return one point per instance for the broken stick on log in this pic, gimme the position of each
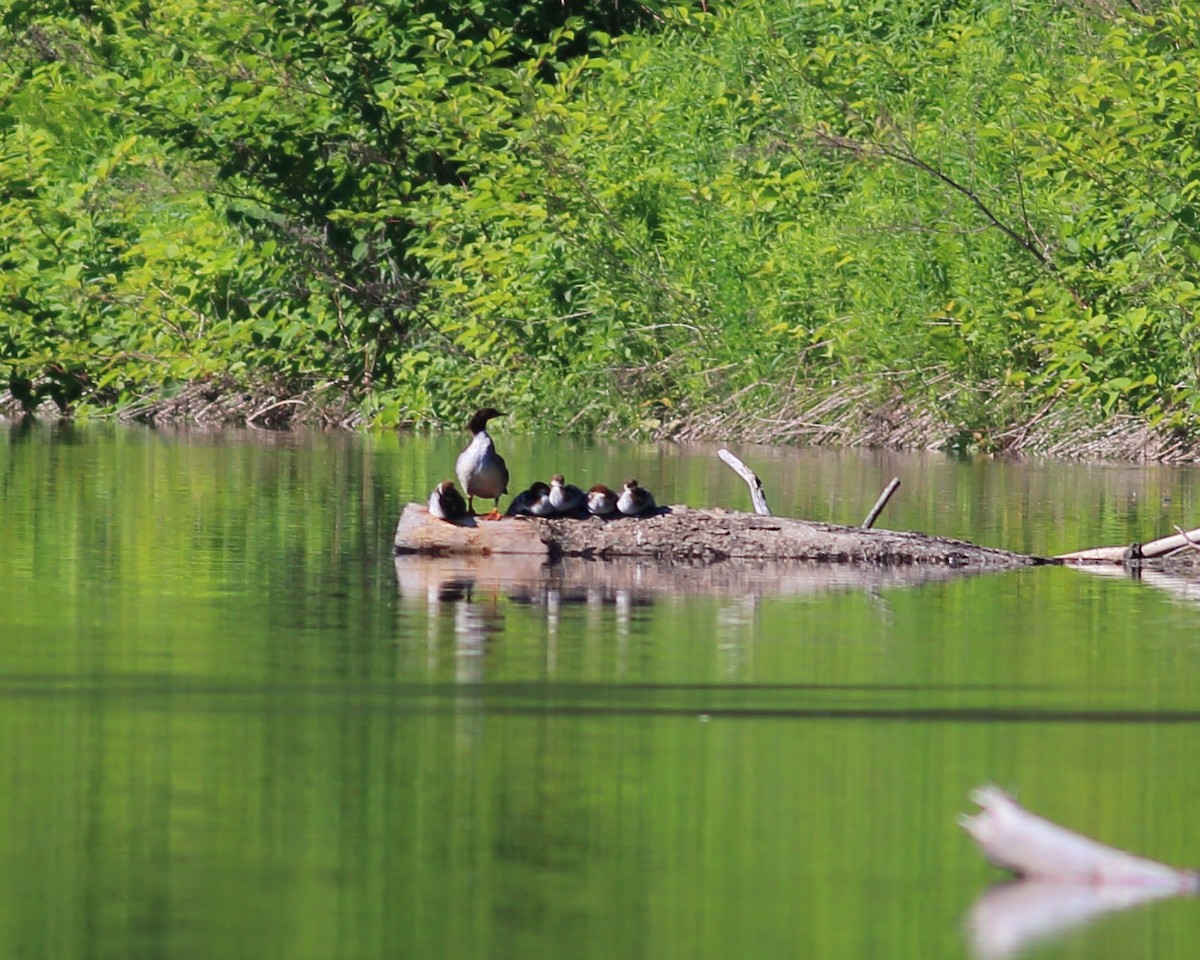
(757, 497)
(881, 503)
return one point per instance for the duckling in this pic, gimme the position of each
(564, 497)
(539, 503)
(479, 468)
(525, 502)
(446, 503)
(601, 501)
(634, 499)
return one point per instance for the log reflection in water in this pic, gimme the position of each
(1180, 581)
(526, 579)
(1010, 918)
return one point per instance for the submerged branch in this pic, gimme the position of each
(1014, 839)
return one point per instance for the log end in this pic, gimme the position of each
(419, 532)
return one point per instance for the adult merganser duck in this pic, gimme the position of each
(634, 499)
(601, 501)
(480, 469)
(446, 503)
(564, 497)
(532, 502)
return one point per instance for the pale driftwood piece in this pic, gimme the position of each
(682, 534)
(1191, 542)
(1164, 545)
(1014, 839)
(757, 496)
(1140, 551)
(1094, 555)
(881, 503)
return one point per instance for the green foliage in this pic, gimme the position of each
(258, 165)
(998, 195)
(121, 273)
(423, 206)
(1114, 151)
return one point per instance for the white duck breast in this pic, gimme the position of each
(634, 499)
(532, 502)
(601, 501)
(479, 468)
(540, 505)
(564, 497)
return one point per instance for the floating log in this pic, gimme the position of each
(1185, 541)
(681, 533)
(1014, 839)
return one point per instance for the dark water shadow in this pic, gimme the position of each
(1012, 918)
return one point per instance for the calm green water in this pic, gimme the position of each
(232, 726)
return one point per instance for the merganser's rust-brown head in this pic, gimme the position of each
(602, 489)
(482, 416)
(559, 479)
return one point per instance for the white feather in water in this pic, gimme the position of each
(1014, 839)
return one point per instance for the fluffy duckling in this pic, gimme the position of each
(634, 499)
(539, 503)
(564, 497)
(479, 468)
(601, 501)
(446, 503)
(532, 502)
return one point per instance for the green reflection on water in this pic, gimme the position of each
(227, 731)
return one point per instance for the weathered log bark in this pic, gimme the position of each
(684, 534)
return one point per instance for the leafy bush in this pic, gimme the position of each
(633, 214)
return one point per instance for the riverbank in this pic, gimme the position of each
(969, 228)
(860, 415)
